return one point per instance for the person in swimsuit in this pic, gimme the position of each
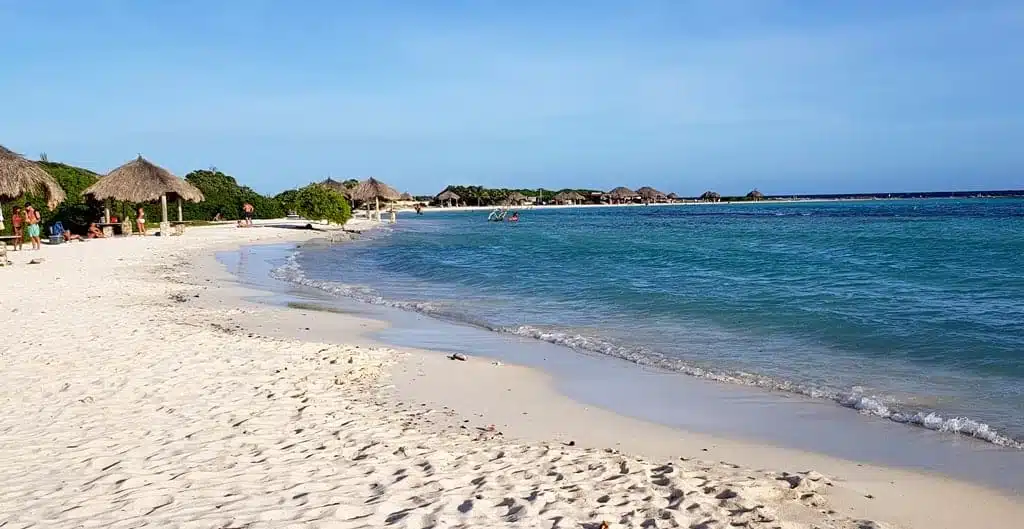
(18, 225)
(247, 210)
(32, 219)
(95, 232)
(140, 221)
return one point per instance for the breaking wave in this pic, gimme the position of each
(854, 398)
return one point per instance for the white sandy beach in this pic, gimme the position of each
(141, 389)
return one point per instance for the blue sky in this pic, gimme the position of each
(787, 96)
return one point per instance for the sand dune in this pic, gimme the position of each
(125, 404)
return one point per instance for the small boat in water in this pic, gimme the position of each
(498, 215)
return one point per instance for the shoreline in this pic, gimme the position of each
(957, 428)
(170, 398)
(538, 412)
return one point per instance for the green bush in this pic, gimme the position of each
(316, 202)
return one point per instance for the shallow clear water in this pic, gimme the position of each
(909, 310)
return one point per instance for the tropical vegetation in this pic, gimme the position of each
(224, 197)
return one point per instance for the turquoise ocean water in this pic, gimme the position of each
(911, 311)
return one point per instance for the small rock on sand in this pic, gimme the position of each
(458, 356)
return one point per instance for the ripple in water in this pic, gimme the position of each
(877, 306)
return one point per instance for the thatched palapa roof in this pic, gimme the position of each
(447, 194)
(672, 196)
(516, 196)
(335, 185)
(373, 189)
(622, 192)
(649, 193)
(710, 195)
(406, 197)
(567, 196)
(755, 194)
(142, 181)
(19, 176)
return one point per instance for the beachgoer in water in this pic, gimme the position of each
(514, 217)
(32, 219)
(247, 211)
(140, 221)
(18, 225)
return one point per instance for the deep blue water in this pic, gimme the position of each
(908, 310)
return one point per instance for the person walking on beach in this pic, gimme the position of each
(32, 219)
(140, 221)
(18, 226)
(247, 211)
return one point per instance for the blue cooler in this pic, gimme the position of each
(57, 233)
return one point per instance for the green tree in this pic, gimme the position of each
(286, 199)
(316, 202)
(350, 183)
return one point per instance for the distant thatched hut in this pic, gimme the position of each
(755, 195)
(710, 196)
(143, 181)
(569, 197)
(516, 199)
(19, 176)
(447, 197)
(406, 197)
(335, 185)
(649, 194)
(621, 195)
(375, 190)
(672, 197)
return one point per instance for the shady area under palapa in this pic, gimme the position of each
(375, 190)
(141, 181)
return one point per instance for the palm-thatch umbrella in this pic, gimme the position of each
(710, 196)
(447, 196)
(755, 195)
(516, 198)
(19, 176)
(374, 189)
(672, 196)
(335, 185)
(620, 194)
(649, 194)
(568, 197)
(406, 197)
(143, 181)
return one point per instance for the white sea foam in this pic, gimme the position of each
(853, 398)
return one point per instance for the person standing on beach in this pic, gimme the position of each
(247, 211)
(140, 221)
(18, 227)
(33, 219)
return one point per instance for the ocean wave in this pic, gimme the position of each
(854, 398)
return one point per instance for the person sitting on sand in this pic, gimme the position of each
(68, 236)
(140, 221)
(94, 232)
